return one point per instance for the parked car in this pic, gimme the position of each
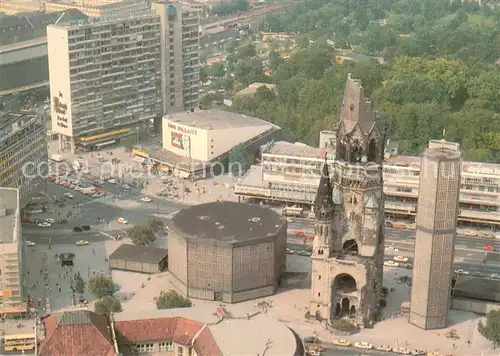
(44, 224)
(82, 243)
(391, 264)
(344, 343)
(29, 243)
(85, 227)
(400, 259)
(77, 229)
(317, 348)
(384, 348)
(363, 345)
(402, 351)
(146, 199)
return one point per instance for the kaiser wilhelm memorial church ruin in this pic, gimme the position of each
(348, 250)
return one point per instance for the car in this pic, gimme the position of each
(391, 264)
(391, 248)
(82, 243)
(122, 221)
(85, 227)
(126, 186)
(418, 353)
(462, 272)
(344, 343)
(44, 224)
(29, 243)
(112, 181)
(363, 345)
(289, 251)
(146, 199)
(400, 259)
(289, 220)
(318, 348)
(494, 276)
(50, 220)
(69, 195)
(402, 351)
(384, 348)
(77, 229)
(299, 233)
(304, 253)
(407, 265)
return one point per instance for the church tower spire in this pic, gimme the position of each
(323, 205)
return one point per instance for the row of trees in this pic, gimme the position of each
(143, 235)
(425, 94)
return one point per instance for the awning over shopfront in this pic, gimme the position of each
(105, 143)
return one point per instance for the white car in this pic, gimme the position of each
(384, 348)
(50, 220)
(363, 345)
(29, 243)
(400, 259)
(122, 221)
(69, 195)
(391, 264)
(82, 243)
(146, 199)
(126, 186)
(462, 272)
(112, 181)
(44, 224)
(390, 248)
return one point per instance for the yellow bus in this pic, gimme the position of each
(20, 342)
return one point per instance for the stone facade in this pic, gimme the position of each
(348, 252)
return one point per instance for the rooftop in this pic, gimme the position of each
(12, 121)
(232, 334)
(9, 205)
(227, 222)
(76, 333)
(252, 88)
(441, 149)
(139, 253)
(88, 22)
(297, 149)
(216, 120)
(477, 288)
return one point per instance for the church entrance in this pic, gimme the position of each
(345, 306)
(344, 290)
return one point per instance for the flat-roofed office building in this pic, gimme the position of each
(11, 251)
(435, 238)
(105, 79)
(23, 154)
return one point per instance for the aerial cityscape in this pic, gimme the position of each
(250, 177)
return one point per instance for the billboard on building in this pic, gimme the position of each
(177, 140)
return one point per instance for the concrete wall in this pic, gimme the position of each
(177, 256)
(60, 77)
(209, 267)
(185, 140)
(474, 306)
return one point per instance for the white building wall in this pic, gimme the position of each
(185, 140)
(59, 78)
(225, 139)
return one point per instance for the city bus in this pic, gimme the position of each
(292, 211)
(20, 342)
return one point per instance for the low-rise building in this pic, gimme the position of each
(290, 172)
(11, 254)
(23, 154)
(141, 259)
(195, 331)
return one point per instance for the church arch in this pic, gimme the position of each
(372, 155)
(350, 247)
(356, 152)
(344, 283)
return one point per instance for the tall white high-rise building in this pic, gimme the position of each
(180, 55)
(105, 79)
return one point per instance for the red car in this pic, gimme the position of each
(299, 233)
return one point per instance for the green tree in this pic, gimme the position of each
(108, 305)
(172, 299)
(101, 286)
(156, 224)
(249, 71)
(78, 284)
(207, 101)
(491, 329)
(141, 235)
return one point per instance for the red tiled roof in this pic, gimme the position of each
(76, 333)
(205, 344)
(176, 329)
